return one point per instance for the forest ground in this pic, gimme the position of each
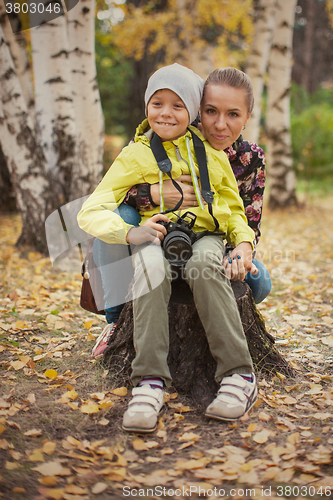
(60, 414)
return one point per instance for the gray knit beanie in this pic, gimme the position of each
(181, 80)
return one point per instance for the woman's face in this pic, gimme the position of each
(224, 112)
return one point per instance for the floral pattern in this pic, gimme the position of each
(247, 161)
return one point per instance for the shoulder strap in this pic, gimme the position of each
(165, 165)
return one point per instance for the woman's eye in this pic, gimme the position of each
(210, 111)
(234, 114)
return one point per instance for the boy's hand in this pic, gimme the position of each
(171, 196)
(149, 231)
(239, 262)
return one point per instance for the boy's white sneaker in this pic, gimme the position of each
(235, 397)
(143, 409)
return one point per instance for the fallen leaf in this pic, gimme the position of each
(262, 436)
(49, 447)
(139, 445)
(189, 436)
(49, 469)
(98, 488)
(33, 433)
(90, 408)
(51, 374)
(121, 391)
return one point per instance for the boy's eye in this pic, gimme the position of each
(180, 106)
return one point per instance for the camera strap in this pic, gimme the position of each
(165, 166)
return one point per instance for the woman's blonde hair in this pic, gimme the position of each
(232, 77)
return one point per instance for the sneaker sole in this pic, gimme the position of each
(144, 431)
(229, 419)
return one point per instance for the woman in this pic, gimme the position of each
(225, 108)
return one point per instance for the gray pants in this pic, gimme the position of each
(214, 300)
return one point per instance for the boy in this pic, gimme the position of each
(172, 101)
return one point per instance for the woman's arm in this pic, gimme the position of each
(247, 161)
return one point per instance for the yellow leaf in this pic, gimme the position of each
(139, 445)
(11, 466)
(90, 408)
(18, 489)
(2, 429)
(55, 494)
(48, 480)
(262, 436)
(49, 469)
(121, 391)
(252, 427)
(20, 324)
(264, 417)
(106, 404)
(88, 324)
(33, 433)
(103, 421)
(293, 438)
(17, 365)
(75, 490)
(192, 464)
(36, 456)
(189, 436)
(52, 374)
(98, 488)
(49, 447)
(280, 375)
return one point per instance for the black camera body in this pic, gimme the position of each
(177, 244)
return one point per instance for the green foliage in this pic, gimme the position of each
(113, 74)
(311, 132)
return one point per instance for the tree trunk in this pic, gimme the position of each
(24, 157)
(258, 60)
(54, 104)
(7, 195)
(191, 364)
(282, 180)
(17, 48)
(308, 47)
(85, 93)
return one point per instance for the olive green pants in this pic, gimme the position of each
(214, 300)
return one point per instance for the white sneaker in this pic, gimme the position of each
(235, 397)
(143, 409)
(103, 339)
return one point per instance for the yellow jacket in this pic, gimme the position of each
(136, 165)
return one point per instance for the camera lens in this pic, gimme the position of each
(177, 248)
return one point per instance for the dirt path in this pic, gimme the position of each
(60, 415)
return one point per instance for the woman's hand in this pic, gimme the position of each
(149, 231)
(239, 262)
(171, 196)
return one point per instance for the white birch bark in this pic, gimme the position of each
(24, 157)
(257, 62)
(55, 112)
(282, 180)
(17, 47)
(85, 93)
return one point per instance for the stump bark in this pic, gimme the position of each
(191, 364)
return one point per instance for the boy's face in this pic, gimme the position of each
(167, 115)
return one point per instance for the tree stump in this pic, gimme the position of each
(191, 364)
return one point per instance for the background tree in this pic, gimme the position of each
(57, 157)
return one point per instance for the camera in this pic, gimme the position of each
(177, 244)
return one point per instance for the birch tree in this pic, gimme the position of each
(282, 179)
(57, 159)
(258, 60)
